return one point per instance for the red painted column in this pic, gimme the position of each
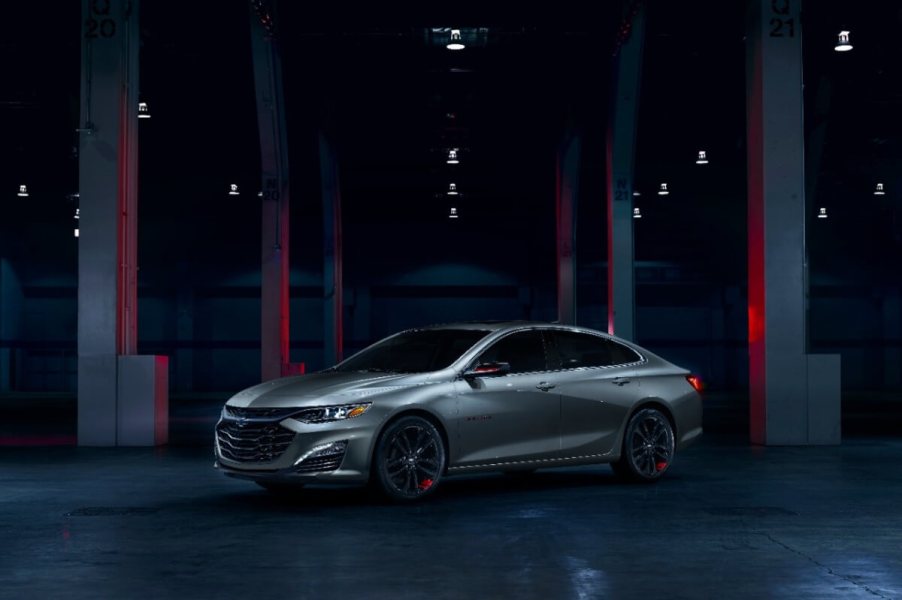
(567, 196)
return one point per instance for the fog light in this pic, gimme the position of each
(324, 450)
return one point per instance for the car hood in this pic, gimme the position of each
(318, 389)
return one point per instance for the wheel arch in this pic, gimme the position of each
(649, 402)
(412, 412)
(659, 404)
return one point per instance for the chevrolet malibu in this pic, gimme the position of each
(432, 402)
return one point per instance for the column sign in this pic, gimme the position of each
(781, 23)
(100, 23)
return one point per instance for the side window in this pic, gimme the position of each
(584, 350)
(622, 355)
(524, 351)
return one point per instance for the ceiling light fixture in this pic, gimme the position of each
(842, 43)
(702, 158)
(233, 190)
(76, 217)
(637, 214)
(23, 191)
(452, 189)
(637, 194)
(456, 43)
(452, 214)
(879, 191)
(452, 157)
(822, 213)
(663, 191)
(143, 110)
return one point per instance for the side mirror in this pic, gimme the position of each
(489, 369)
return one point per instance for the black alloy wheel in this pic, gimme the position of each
(648, 446)
(410, 459)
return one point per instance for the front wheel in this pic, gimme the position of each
(647, 446)
(409, 459)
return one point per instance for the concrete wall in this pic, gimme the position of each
(211, 332)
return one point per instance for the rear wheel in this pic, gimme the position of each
(409, 459)
(648, 446)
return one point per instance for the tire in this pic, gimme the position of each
(648, 447)
(278, 487)
(409, 459)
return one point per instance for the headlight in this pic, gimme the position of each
(324, 414)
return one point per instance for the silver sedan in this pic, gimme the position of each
(427, 403)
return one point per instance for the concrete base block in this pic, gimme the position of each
(143, 407)
(824, 399)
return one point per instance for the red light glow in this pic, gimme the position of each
(696, 382)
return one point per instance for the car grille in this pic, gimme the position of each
(259, 413)
(252, 442)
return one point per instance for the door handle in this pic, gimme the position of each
(620, 382)
(545, 386)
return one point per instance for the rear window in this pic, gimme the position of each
(583, 350)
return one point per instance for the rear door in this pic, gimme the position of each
(513, 417)
(598, 385)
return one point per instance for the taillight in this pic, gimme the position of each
(696, 382)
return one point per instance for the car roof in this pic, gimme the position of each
(495, 325)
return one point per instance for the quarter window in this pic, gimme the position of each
(524, 351)
(583, 350)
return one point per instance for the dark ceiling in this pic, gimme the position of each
(394, 102)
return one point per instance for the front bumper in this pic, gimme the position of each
(296, 462)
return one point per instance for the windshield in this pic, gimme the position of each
(414, 351)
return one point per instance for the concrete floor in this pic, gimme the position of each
(730, 521)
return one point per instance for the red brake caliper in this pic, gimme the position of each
(425, 484)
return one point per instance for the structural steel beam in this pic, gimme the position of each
(274, 306)
(333, 324)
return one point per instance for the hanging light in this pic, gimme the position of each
(23, 191)
(879, 191)
(637, 214)
(76, 217)
(452, 214)
(842, 43)
(233, 190)
(452, 157)
(452, 189)
(663, 191)
(702, 158)
(822, 213)
(143, 110)
(636, 194)
(456, 43)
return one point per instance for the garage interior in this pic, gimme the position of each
(199, 197)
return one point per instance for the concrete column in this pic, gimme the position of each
(333, 325)
(275, 286)
(107, 203)
(794, 397)
(567, 199)
(620, 166)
